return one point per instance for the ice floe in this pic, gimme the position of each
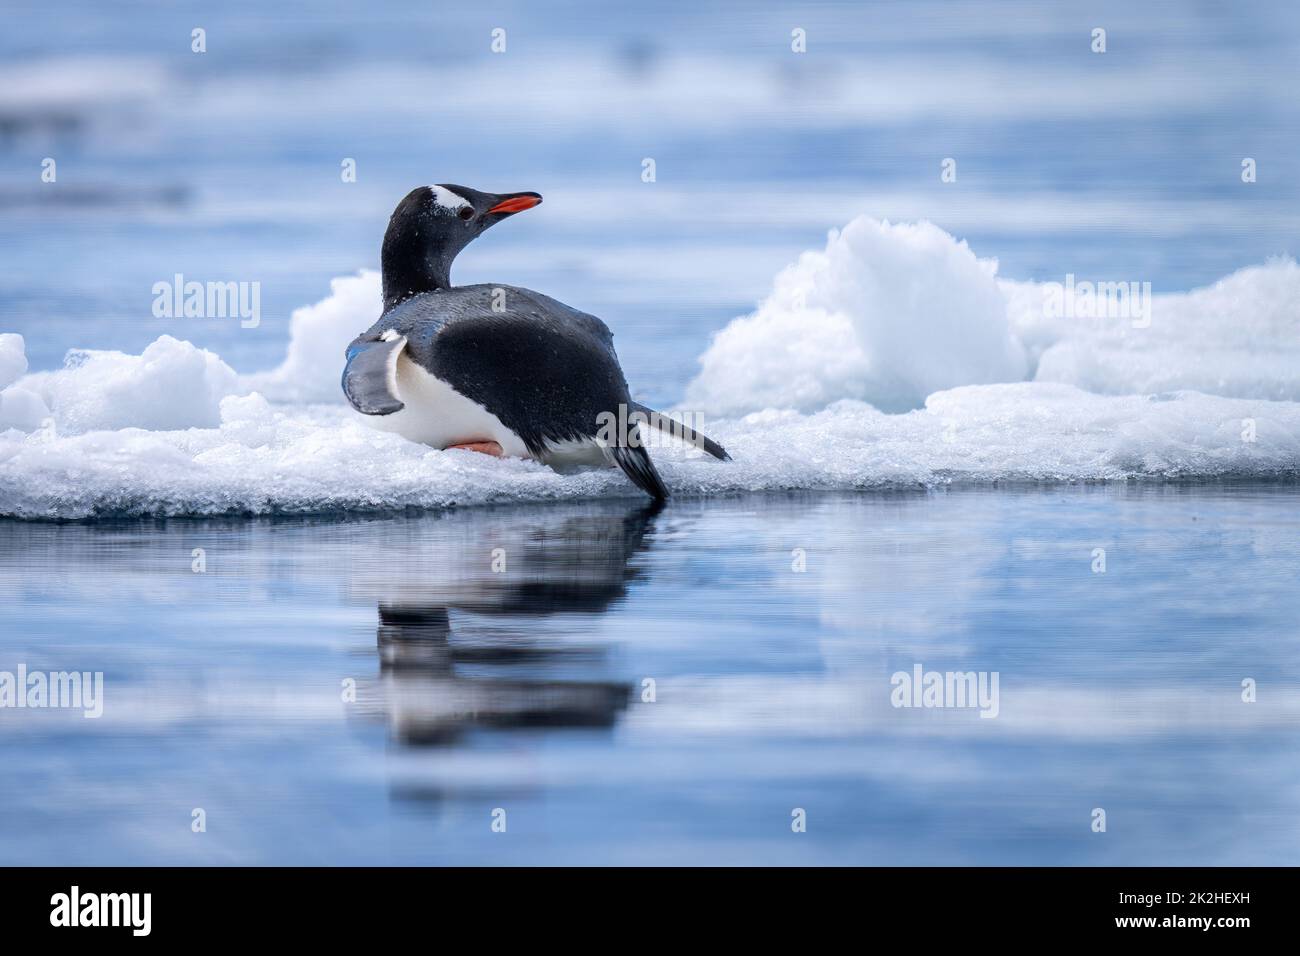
(893, 358)
(293, 459)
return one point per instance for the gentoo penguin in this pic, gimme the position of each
(492, 368)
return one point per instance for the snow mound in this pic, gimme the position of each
(172, 384)
(887, 314)
(13, 359)
(20, 407)
(1238, 337)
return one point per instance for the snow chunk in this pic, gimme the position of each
(1238, 337)
(22, 409)
(887, 314)
(172, 384)
(13, 358)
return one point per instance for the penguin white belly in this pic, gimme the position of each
(438, 415)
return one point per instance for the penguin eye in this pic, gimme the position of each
(466, 213)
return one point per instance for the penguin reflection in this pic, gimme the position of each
(464, 655)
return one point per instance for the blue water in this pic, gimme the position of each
(522, 690)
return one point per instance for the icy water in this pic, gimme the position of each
(499, 660)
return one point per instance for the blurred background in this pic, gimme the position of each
(226, 165)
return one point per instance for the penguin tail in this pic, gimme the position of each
(672, 426)
(637, 465)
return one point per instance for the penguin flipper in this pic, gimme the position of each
(370, 377)
(637, 465)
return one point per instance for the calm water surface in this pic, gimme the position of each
(524, 689)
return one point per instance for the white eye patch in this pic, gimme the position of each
(446, 200)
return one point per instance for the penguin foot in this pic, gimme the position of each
(483, 447)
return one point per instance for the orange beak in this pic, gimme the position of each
(516, 203)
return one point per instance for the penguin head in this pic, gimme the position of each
(431, 226)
